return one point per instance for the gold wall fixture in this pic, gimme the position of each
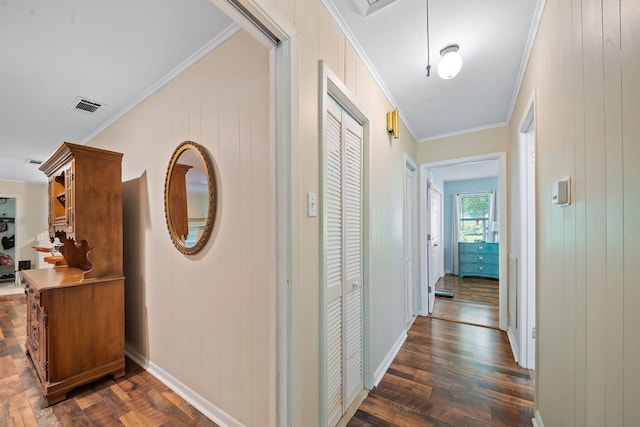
(392, 123)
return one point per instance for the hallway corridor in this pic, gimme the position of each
(450, 374)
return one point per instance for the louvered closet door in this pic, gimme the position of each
(343, 260)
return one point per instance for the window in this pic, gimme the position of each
(474, 217)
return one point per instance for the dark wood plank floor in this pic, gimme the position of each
(137, 399)
(475, 301)
(455, 368)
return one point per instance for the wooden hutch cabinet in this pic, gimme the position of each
(75, 311)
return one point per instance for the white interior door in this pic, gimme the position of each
(343, 261)
(434, 244)
(409, 239)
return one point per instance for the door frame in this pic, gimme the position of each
(503, 198)
(410, 166)
(330, 85)
(526, 278)
(17, 236)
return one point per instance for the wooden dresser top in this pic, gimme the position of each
(47, 278)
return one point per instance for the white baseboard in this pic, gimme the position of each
(537, 421)
(382, 368)
(211, 411)
(514, 346)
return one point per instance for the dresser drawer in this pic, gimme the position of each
(478, 247)
(479, 257)
(478, 269)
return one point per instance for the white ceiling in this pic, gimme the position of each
(118, 52)
(115, 52)
(468, 170)
(493, 38)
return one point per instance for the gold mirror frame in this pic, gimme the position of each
(203, 155)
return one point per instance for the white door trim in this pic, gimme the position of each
(503, 223)
(330, 85)
(423, 252)
(410, 166)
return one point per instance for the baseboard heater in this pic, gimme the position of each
(444, 293)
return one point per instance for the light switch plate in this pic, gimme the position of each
(312, 204)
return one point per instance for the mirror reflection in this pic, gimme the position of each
(190, 197)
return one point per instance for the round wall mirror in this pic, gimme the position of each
(190, 197)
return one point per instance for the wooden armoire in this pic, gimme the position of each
(75, 311)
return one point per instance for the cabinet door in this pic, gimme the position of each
(69, 176)
(57, 200)
(42, 353)
(35, 326)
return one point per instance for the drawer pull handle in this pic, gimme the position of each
(480, 258)
(481, 248)
(481, 268)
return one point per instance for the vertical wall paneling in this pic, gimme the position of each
(577, 392)
(569, 217)
(231, 311)
(330, 41)
(614, 346)
(587, 336)
(264, 249)
(211, 334)
(350, 66)
(246, 239)
(305, 319)
(596, 212)
(209, 322)
(630, 52)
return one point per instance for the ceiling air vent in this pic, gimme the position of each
(34, 162)
(86, 105)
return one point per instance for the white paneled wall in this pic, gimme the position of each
(206, 319)
(585, 70)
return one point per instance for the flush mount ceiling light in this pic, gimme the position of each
(450, 63)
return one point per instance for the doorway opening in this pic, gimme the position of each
(481, 295)
(8, 253)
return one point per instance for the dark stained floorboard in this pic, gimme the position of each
(475, 301)
(455, 368)
(137, 399)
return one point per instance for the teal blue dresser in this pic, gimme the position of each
(478, 259)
